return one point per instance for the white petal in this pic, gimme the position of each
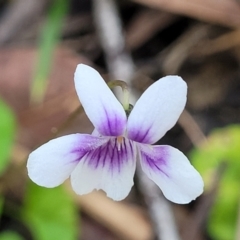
(110, 168)
(53, 162)
(101, 106)
(157, 110)
(95, 133)
(172, 172)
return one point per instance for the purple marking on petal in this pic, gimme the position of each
(87, 143)
(140, 135)
(111, 156)
(113, 124)
(108, 129)
(104, 156)
(124, 147)
(115, 156)
(156, 160)
(131, 148)
(144, 135)
(98, 156)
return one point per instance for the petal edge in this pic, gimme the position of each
(157, 110)
(172, 172)
(52, 163)
(101, 106)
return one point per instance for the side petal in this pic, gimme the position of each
(101, 106)
(52, 163)
(157, 110)
(110, 167)
(172, 172)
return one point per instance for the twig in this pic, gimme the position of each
(225, 12)
(119, 62)
(126, 221)
(199, 216)
(191, 128)
(19, 14)
(69, 120)
(222, 43)
(145, 25)
(172, 58)
(159, 209)
(121, 66)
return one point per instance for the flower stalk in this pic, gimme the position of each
(125, 91)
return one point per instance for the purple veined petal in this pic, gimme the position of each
(110, 167)
(172, 172)
(157, 110)
(52, 163)
(101, 106)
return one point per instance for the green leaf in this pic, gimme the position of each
(50, 213)
(48, 40)
(7, 130)
(9, 235)
(223, 145)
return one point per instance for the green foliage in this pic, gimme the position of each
(50, 213)
(9, 235)
(48, 40)
(7, 130)
(223, 146)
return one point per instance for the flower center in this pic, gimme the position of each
(119, 142)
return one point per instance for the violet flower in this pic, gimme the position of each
(107, 158)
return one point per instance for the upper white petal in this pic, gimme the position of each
(110, 168)
(53, 162)
(157, 110)
(172, 172)
(103, 109)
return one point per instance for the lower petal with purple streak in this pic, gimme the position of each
(52, 163)
(172, 172)
(110, 167)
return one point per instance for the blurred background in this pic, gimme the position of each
(139, 41)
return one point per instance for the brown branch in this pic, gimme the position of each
(119, 62)
(172, 58)
(121, 66)
(18, 15)
(222, 43)
(145, 25)
(159, 209)
(191, 128)
(197, 219)
(225, 12)
(126, 221)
